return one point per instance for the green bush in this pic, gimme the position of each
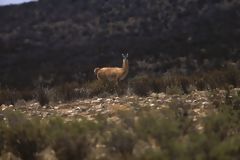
(168, 133)
(121, 142)
(23, 137)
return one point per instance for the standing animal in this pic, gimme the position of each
(113, 74)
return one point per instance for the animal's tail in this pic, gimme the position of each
(96, 70)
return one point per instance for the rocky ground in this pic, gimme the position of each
(196, 104)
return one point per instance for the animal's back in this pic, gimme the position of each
(109, 73)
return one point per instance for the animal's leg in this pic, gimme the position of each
(116, 86)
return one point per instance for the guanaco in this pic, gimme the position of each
(113, 74)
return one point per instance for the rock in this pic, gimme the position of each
(3, 107)
(130, 103)
(150, 100)
(161, 95)
(108, 100)
(57, 107)
(199, 127)
(97, 100)
(116, 101)
(99, 110)
(188, 101)
(205, 103)
(86, 102)
(84, 108)
(98, 106)
(78, 108)
(196, 110)
(168, 100)
(154, 95)
(152, 105)
(70, 111)
(164, 106)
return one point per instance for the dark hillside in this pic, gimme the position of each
(64, 40)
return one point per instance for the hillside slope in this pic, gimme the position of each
(65, 39)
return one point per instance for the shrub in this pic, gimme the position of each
(104, 88)
(42, 96)
(121, 141)
(23, 137)
(160, 126)
(228, 149)
(164, 134)
(141, 85)
(174, 90)
(67, 92)
(2, 140)
(8, 96)
(70, 147)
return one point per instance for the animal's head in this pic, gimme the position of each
(125, 56)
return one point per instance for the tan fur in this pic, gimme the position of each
(113, 74)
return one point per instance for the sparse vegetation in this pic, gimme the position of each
(164, 134)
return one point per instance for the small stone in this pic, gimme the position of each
(155, 95)
(108, 100)
(99, 110)
(161, 95)
(3, 106)
(152, 105)
(97, 100)
(164, 106)
(194, 118)
(70, 111)
(116, 101)
(100, 145)
(56, 107)
(84, 108)
(150, 100)
(205, 103)
(86, 102)
(98, 106)
(196, 110)
(130, 103)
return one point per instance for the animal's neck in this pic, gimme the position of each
(125, 65)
